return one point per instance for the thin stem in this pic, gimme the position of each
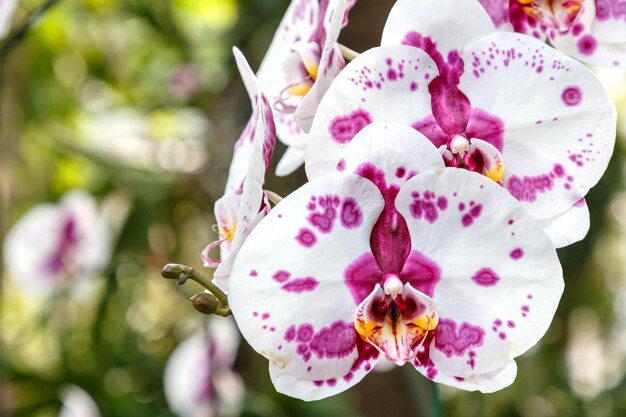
(182, 273)
(223, 311)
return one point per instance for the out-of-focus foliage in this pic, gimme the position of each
(138, 102)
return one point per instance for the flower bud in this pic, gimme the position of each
(205, 303)
(172, 271)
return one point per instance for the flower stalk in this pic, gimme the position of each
(182, 273)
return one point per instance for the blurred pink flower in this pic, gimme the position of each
(55, 243)
(199, 380)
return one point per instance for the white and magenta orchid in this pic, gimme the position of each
(502, 104)
(593, 31)
(244, 202)
(199, 380)
(389, 254)
(53, 244)
(300, 64)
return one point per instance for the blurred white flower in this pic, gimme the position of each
(54, 243)
(77, 403)
(199, 380)
(7, 7)
(160, 140)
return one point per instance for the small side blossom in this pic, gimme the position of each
(55, 243)
(78, 403)
(392, 255)
(502, 104)
(199, 380)
(592, 31)
(244, 202)
(298, 68)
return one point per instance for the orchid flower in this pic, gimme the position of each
(593, 31)
(391, 255)
(244, 202)
(300, 64)
(199, 380)
(54, 243)
(502, 104)
(78, 403)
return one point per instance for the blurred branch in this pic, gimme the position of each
(14, 38)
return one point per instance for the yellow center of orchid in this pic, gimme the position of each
(560, 13)
(228, 232)
(302, 88)
(395, 321)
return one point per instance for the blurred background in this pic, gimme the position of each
(138, 103)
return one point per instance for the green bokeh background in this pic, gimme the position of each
(139, 102)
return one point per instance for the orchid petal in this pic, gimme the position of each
(382, 84)
(568, 227)
(558, 135)
(367, 359)
(331, 62)
(450, 23)
(209, 262)
(606, 20)
(501, 280)
(260, 124)
(328, 220)
(299, 23)
(498, 10)
(398, 335)
(379, 144)
(599, 37)
(485, 383)
(258, 150)
(292, 159)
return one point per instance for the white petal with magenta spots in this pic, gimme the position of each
(598, 38)
(294, 306)
(500, 279)
(398, 150)
(485, 383)
(558, 122)
(568, 227)
(382, 84)
(331, 62)
(252, 155)
(450, 23)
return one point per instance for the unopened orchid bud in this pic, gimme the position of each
(205, 303)
(175, 271)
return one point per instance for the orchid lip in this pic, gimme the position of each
(396, 325)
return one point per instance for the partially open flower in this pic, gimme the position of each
(298, 68)
(244, 202)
